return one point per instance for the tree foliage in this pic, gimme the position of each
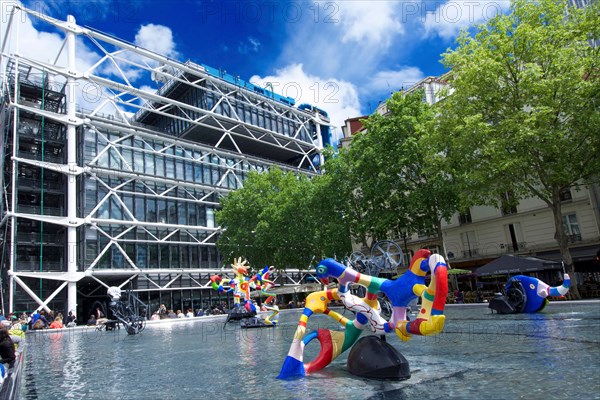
(397, 185)
(282, 219)
(523, 113)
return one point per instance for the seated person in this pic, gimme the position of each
(7, 347)
(92, 320)
(57, 323)
(43, 318)
(38, 325)
(71, 319)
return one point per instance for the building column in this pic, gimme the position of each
(13, 201)
(72, 167)
(320, 140)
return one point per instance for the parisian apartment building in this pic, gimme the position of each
(482, 233)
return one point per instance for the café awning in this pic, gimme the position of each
(511, 264)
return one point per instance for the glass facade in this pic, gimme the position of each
(238, 106)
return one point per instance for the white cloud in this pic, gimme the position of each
(391, 81)
(346, 39)
(156, 38)
(452, 16)
(373, 23)
(250, 45)
(38, 45)
(338, 98)
(148, 89)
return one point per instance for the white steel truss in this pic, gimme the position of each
(229, 111)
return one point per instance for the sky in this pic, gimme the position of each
(343, 56)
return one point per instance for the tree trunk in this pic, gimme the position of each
(561, 239)
(440, 235)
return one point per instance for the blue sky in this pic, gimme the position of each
(344, 56)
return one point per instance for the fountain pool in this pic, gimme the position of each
(552, 354)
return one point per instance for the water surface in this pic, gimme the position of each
(553, 354)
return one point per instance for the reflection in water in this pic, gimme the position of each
(554, 353)
(73, 355)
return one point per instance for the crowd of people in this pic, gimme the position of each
(39, 320)
(214, 309)
(164, 313)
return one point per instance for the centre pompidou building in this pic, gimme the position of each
(105, 183)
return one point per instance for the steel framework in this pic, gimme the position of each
(134, 172)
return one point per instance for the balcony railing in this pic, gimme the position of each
(510, 248)
(470, 253)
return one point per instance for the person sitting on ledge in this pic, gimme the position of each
(162, 311)
(71, 319)
(44, 319)
(57, 323)
(7, 347)
(92, 320)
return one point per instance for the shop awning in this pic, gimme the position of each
(511, 264)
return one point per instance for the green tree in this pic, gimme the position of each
(282, 219)
(398, 187)
(239, 217)
(329, 219)
(523, 113)
(339, 184)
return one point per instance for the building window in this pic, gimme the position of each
(434, 249)
(571, 228)
(465, 217)
(210, 218)
(565, 195)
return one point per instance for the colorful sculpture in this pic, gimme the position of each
(400, 292)
(263, 283)
(525, 294)
(241, 285)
